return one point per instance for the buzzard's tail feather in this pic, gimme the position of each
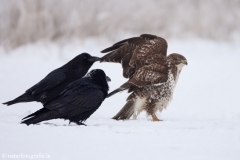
(126, 112)
(123, 87)
(115, 91)
(41, 116)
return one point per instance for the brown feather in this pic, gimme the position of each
(150, 74)
(148, 36)
(128, 70)
(133, 53)
(126, 112)
(117, 55)
(112, 48)
(157, 46)
(132, 40)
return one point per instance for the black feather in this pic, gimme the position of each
(77, 102)
(54, 83)
(40, 111)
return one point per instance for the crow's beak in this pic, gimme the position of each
(108, 79)
(185, 62)
(94, 59)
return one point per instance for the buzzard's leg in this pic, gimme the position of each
(155, 118)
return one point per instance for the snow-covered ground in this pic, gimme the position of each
(201, 123)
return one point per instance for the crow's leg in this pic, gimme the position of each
(78, 123)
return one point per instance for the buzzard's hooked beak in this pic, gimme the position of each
(108, 79)
(93, 59)
(185, 62)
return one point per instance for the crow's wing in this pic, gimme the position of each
(51, 80)
(80, 100)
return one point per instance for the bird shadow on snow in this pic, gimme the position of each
(54, 124)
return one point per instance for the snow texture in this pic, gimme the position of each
(202, 121)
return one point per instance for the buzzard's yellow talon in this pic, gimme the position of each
(155, 119)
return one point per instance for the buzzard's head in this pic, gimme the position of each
(176, 59)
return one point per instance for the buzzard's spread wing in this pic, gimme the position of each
(135, 52)
(146, 52)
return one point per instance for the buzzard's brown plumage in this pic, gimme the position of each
(135, 52)
(152, 75)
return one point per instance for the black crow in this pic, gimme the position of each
(77, 102)
(54, 83)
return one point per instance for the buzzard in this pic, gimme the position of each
(152, 74)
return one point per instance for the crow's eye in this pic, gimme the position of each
(85, 57)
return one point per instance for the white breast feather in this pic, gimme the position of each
(138, 106)
(169, 85)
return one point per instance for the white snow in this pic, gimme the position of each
(202, 122)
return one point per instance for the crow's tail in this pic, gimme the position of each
(39, 116)
(40, 111)
(22, 98)
(126, 112)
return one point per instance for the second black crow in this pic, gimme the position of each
(77, 102)
(54, 83)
